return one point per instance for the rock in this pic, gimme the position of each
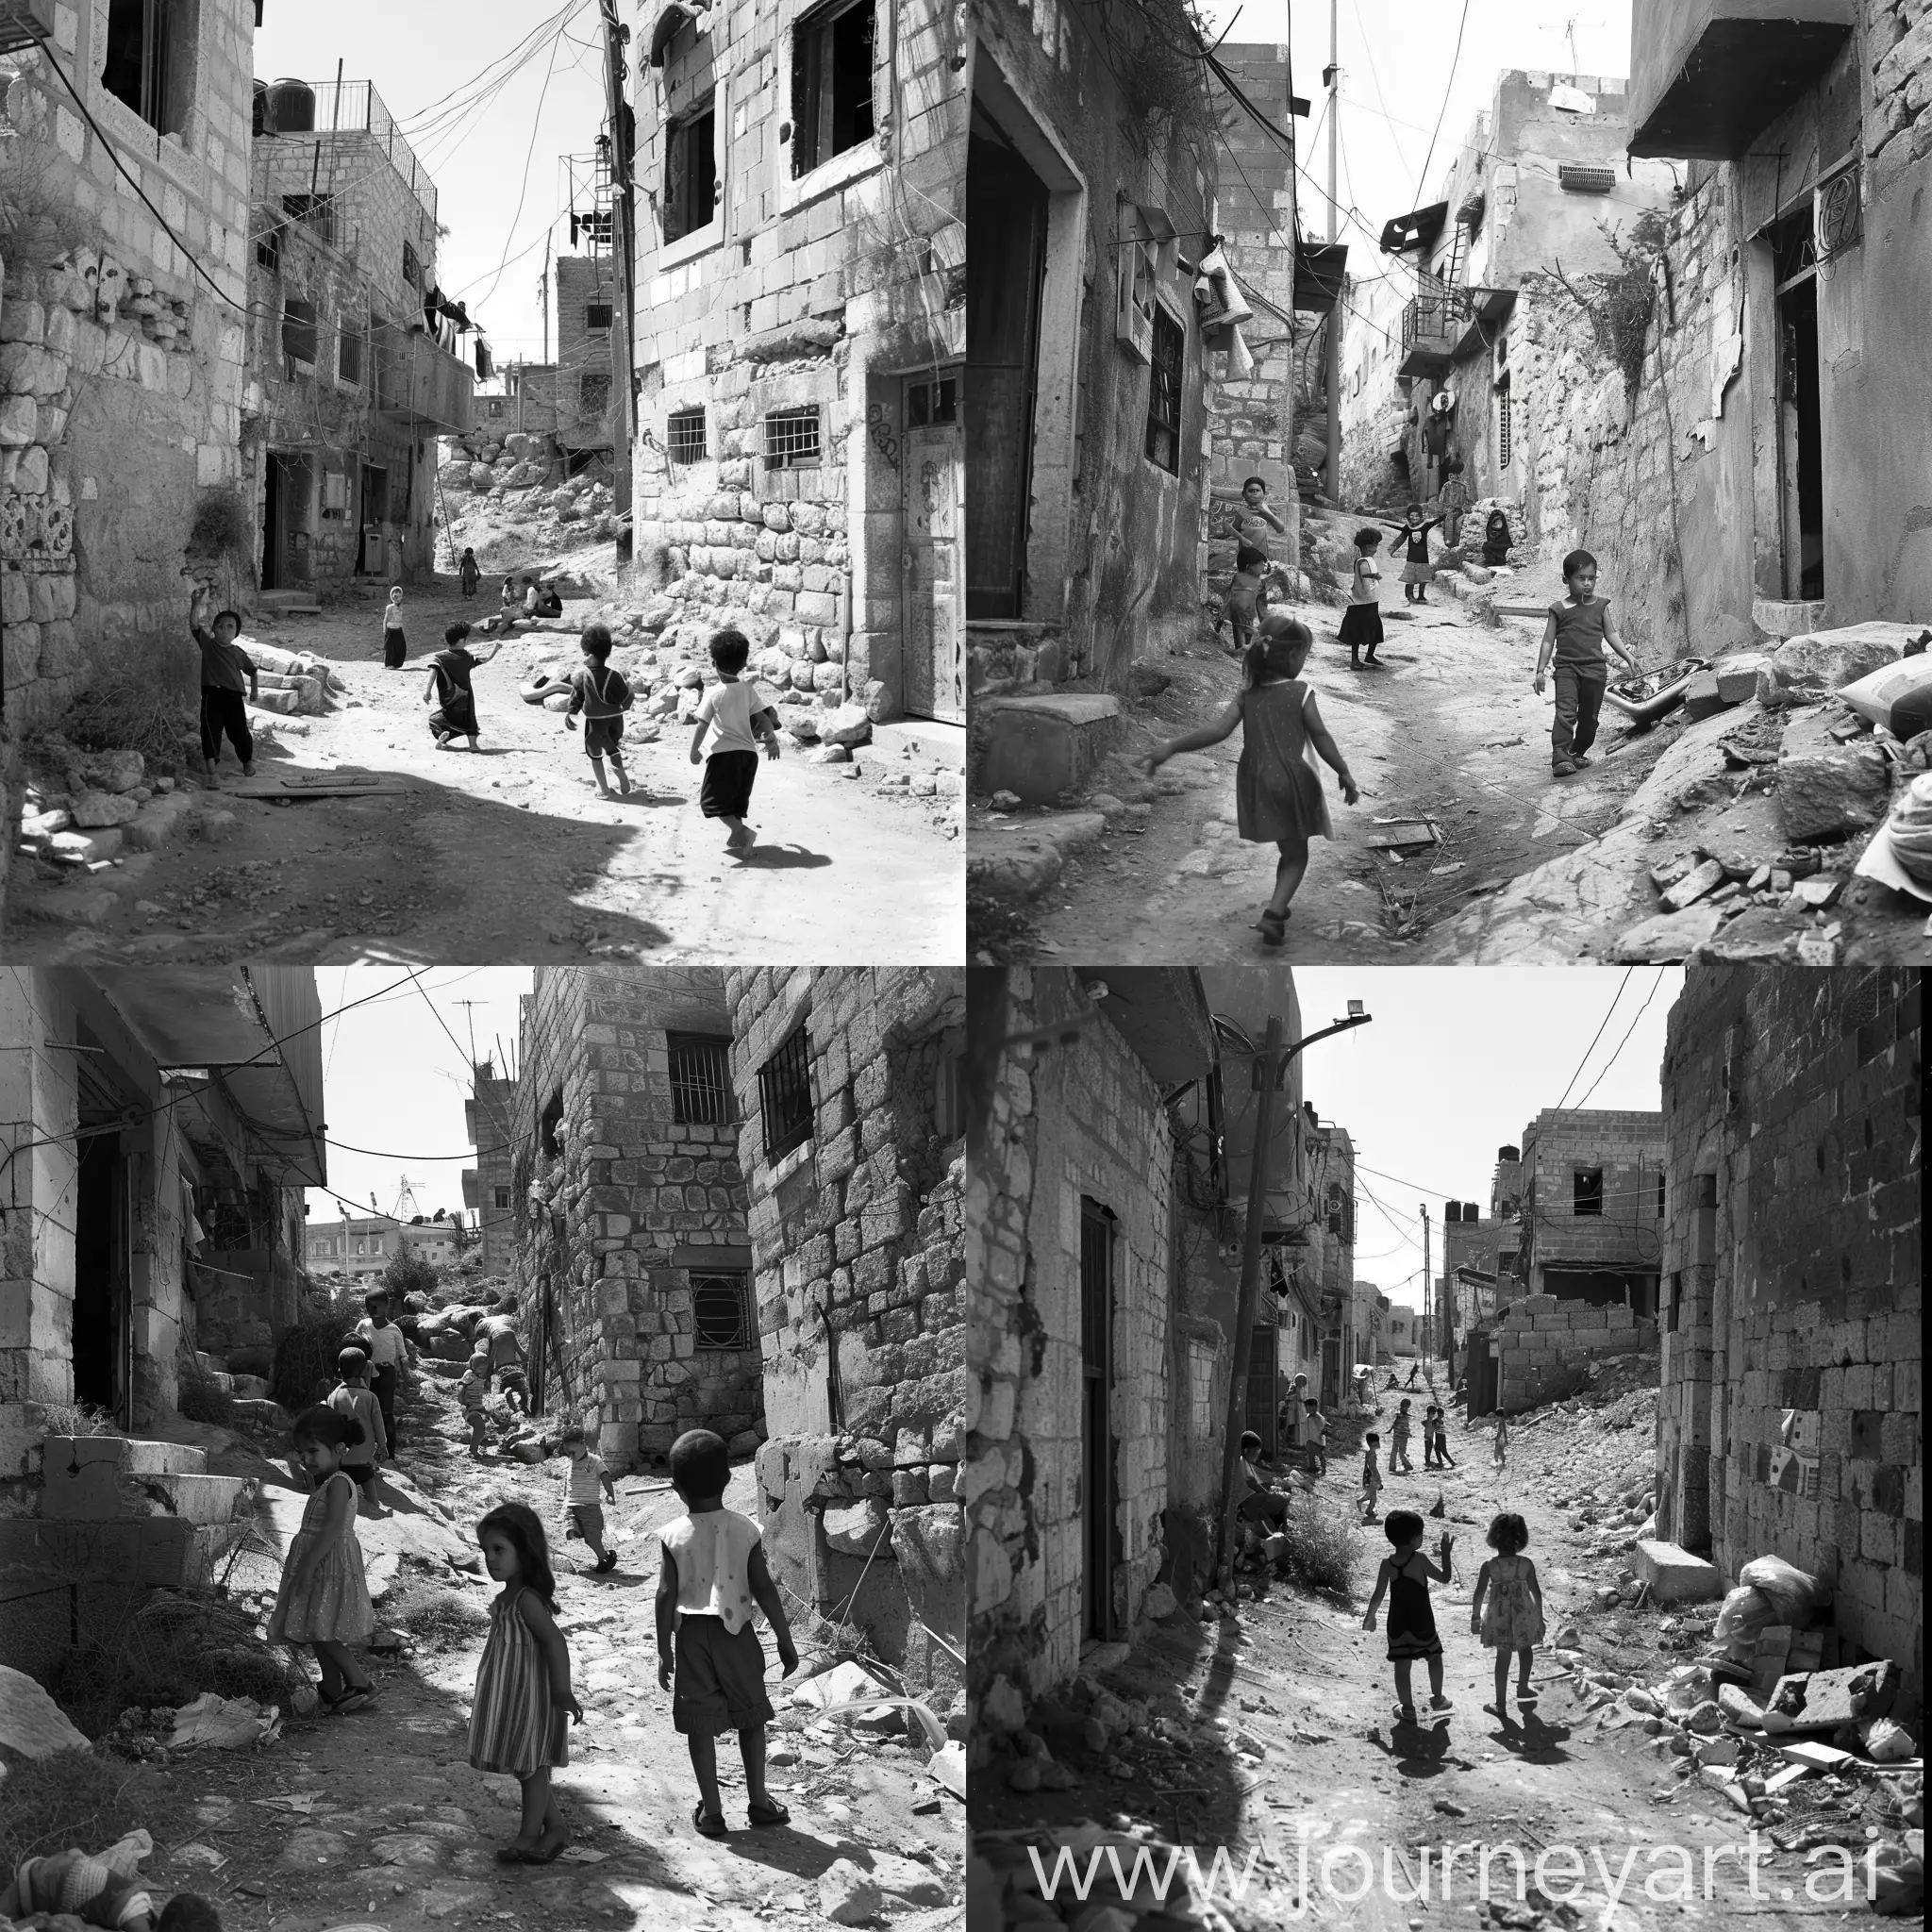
(1737, 675)
(1705, 1719)
(1814, 895)
(848, 724)
(31, 1722)
(832, 755)
(1024, 1776)
(1158, 1603)
(907, 1878)
(1824, 788)
(1704, 696)
(847, 1896)
(1694, 885)
(1830, 659)
(95, 809)
(744, 1443)
(1666, 937)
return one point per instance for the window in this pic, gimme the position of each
(785, 1096)
(150, 59)
(1164, 393)
(721, 1310)
(1659, 1197)
(413, 269)
(597, 315)
(317, 212)
(502, 1197)
(690, 174)
(548, 1128)
(701, 1092)
(1588, 1190)
(831, 83)
(268, 249)
(593, 391)
(684, 436)
(791, 438)
(932, 402)
(349, 353)
(299, 332)
(1504, 438)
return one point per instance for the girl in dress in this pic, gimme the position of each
(1277, 791)
(396, 647)
(518, 1722)
(1418, 573)
(1507, 1610)
(1499, 1449)
(323, 1601)
(1406, 1576)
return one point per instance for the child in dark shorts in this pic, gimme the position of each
(737, 713)
(602, 695)
(714, 1572)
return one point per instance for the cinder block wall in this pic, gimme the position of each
(582, 279)
(1539, 1343)
(1629, 1148)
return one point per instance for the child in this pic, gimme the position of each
(522, 1683)
(1418, 573)
(1443, 1458)
(450, 690)
(1244, 595)
(507, 603)
(471, 1391)
(1315, 1434)
(395, 647)
(580, 1495)
(602, 695)
(1580, 625)
(470, 572)
(1398, 1440)
(714, 1570)
(1262, 1502)
(99, 1888)
(323, 1601)
(531, 601)
(734, 711)
(1513, 1617)
(383, 1341)
(1361, 623)
(352, 1397)
(1277, 793)
(1429, 1437)
(226, 672)
(1254, 519)
(1499, 1450)
(1406, 1576)
(1372, 1478)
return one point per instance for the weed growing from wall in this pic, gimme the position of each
(1619, 305)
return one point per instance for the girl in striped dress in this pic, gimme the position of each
(323, 1601)
(518, 1722)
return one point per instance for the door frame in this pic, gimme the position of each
(1100, 1537)
(952, 681)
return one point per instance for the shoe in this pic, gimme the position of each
(1563, 768)
(606, 1563)
(1576, 757)
(769, 1812)
(707, 1828)
(1272, 927)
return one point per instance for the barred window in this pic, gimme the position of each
(721, 1310)
(1164, 393)
(1577, 179)
(413, 269)
(596, 315)
(791, 438)
(684, 436)
(785, 1096)
(701, 1092)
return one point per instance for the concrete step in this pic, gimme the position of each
(932, 738)
(109, 1478)
(202, 1500)
(1039, 747)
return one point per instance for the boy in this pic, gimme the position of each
(450, 690)
(1244, 595)
(388, 1351)
(496, 1334)
(714, 1570)
(226, 672)
(1580, 625)
(1398, 1446)
(470, 1392)
(1361, 623)
(395, 646)
(1261, 1502)
(352, 1396)
(580, 1495)
(1315, 1434)
(735, 711)
(1443, 1458)
(1371, 1476)
(602, 695)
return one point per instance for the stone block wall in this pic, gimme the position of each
(858, 1246)
(1629, 1149)
(1791, 1418)
(582, 279)
(1541, 1340)
(491, 1116)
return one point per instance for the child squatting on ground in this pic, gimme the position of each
(602, 695)
(586, 1471)
(713, 1572)
(738, 716)
(1579, 627)
(226, 672)
(1277, 792)
(1507, 1610)
(1406, 1576)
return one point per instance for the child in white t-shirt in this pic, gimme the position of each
(586, 1471)
(737, 713)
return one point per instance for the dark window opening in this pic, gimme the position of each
(597, 315)
(785, 1096)
(791, 438)
(349, 353)
(502, 1197)
(267, 250)
(413, 269)
(721, 1311)
(932, 402)
(317, 212)
(594, 392)
(1659, 1197)
(548, 1125)
(374, 482)
(684, 436)
(1588, 1190)
(149, 62)
(701, 1092)
(1164, 393)
(299, 331)
(831, 83)
(690, 174)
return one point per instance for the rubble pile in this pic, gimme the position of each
(523, 476)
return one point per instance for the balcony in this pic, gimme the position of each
(1707, 76)
(1428, 327)
(419, 382)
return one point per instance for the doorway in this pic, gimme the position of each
(1005, 246)
(103, 1323)
(373, 558)
(1264, 1402)
(1800, 424)
(1099, 1490)
(932, 472)
(272, 525)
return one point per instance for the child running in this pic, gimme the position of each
(226, 672)
(1580, 625)
(396, 647)
(1507, 1610)
(1277, 793)
(1436, 1430)
(323, 1601)
(1398, 1440)
(517, 1722)
(586, 1471)
(470, 572)
(1405, 1578)
(602, 695)
(1361, 623)
(1372, 1478)
(714, 1572)
(353, 1397)
(449, 688)
(736, 711)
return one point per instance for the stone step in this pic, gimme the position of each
(929, 738)
(262, 1411)
(1039, 747)
(202, 1500)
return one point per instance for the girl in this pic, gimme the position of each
(1244, 595)
(396, 647)
(1361, 623)
(1398, 1440)
(450, 689)
(470, 572)
(1418, 573)
(323, 1601)
(1277, 793)
(509, 605)
(1372, 1478)
(1512, 1619)
(1406, 1576)
(1500, 1451)
(517, 1722)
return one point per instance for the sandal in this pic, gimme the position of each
(1272, 927)
(769, 1812)
(357, 1697)
(707, 1828)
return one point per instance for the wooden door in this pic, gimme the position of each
(932, 472)
(1099, 1490)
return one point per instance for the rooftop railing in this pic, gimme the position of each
(354, 106)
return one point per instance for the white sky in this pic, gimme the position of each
(1459, 1059)
(394, 1082)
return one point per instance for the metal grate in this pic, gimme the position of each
(785, 1096)
(721, 1310)
(684, 436)
(1164, 393)
(1581, 180)
(701, 1092)
(791, 438)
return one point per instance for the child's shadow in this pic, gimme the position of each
(793, 1849)
(1533, 1740)
(1419, 1750)
(782, 858)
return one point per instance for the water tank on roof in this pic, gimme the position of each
(1471, 1211)
(1508, 1153)
(292, 106)
(1452, 1210)
(263, 121)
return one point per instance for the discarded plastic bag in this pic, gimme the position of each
(1744, 1613)
(947, 1767)
(228, 1723)
(1791, 1593)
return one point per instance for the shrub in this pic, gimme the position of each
(437, 1616)
(77, 1798)
(77, 1419)
(305, 1363)
(123, 714)
(201, 1399)
(221, 525)
(1323, 1547)
(410, 1275)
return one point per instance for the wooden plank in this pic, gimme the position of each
(345, 784)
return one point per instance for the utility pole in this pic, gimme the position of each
(543, 296)
(1428, 1275)
(1335, 313)
(469, 1014)
(623, 424)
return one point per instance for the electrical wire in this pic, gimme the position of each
(1448, 89)
(1595, 1037)
(1625, 1040)
(536, 121)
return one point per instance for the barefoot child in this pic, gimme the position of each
(602, 695)
(1580, 627)
(1361, 623)
(226, 672)
(1277, 793)
(323, 1601)
(1398, 1440)
(471, 1391)
(1499, 1450)
(449, 688)
(1372, 1478)
(714, 1572)
(396, 647)
(1244, 596)
(517, 1722)
(580, 1495)
(1512, 1616)
(1315, 1434)
(737, 713)
(1405, 1578)
(470, 573)
(353, 1397)
(1436, 1427)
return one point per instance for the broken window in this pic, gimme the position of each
(831, 82)
(502, 1197)
(721, 1311)
(1587, 1196)
(299, 331)
(593, 391)
(316, 212)
(701, 1092)
(690, 173)
(268, 249)
(596, 315)
(683, 435)
(791, 438)
(785, 1096)
(150, 59)
(1164, 393)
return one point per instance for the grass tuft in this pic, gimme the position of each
(1323, 1547)
(78, 1798)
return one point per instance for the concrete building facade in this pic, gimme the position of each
(1329, 1165)
(849, 1135)
(363, 1245)
(585, 293)
(1593, 1207)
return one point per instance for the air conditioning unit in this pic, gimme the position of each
(25, 24)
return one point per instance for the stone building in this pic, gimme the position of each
(585, 290)
(1481, 1257)
(851, 1126)
(800, 318)
(1593, 1206)
(1330, 1164)
(489, 1190)
(352, 374)
(363, 1245)
(1375, 409)
(631, 1260)
(1790, 1420)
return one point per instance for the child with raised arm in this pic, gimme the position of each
(449, 689)
(1418, 573)
(226, 672)
(1507, 1610)
(602, 695)
(1580, 626)
(1405, 1578)
(714, 1572)
(735, 711)
(1277, 792)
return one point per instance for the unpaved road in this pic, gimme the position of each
(510, 854)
